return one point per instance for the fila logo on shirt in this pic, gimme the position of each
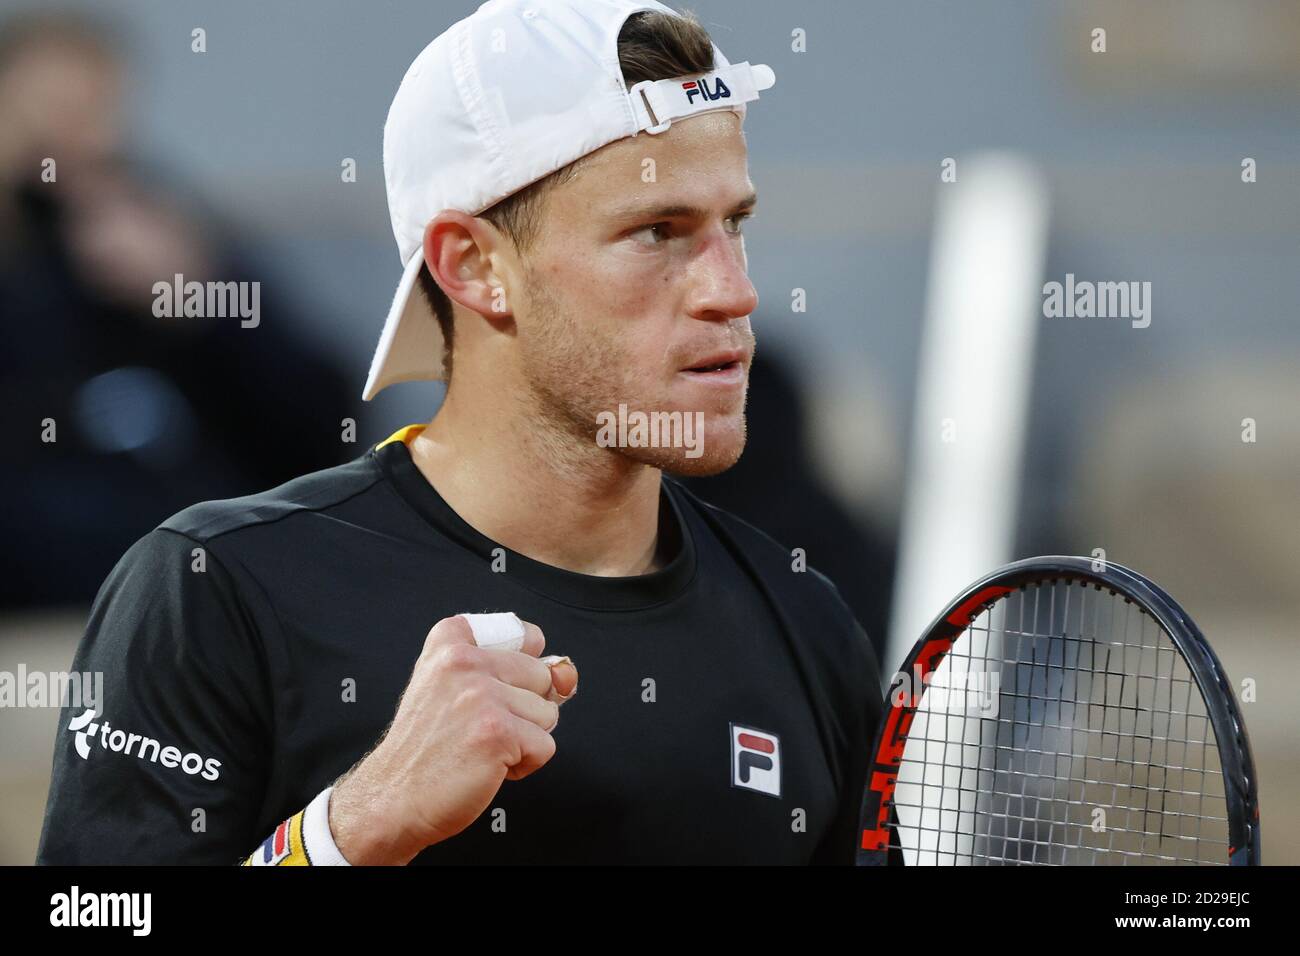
(695, 88)
(84, 728)
(755, 760)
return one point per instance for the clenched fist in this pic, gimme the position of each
(470, 718)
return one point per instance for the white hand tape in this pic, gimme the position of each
(551, 660)
(502, 631)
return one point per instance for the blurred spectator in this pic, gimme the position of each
(775, 488)
(152, 414)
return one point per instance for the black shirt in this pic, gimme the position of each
(268, 639)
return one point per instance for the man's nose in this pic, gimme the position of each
(721, 288)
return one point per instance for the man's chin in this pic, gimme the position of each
(713, 452)
(703, 467)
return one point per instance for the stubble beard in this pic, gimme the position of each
(572, 376)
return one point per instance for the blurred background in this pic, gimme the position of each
(921, 167)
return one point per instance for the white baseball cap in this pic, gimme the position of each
(506, 96)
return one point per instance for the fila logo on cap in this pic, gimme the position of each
(755, 760)
(701, 88)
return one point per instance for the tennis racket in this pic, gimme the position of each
(1061, 710)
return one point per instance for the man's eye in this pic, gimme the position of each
(738, 219)
(658, 229)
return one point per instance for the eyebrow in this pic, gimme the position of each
(631, 213)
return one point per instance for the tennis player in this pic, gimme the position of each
(350, 669)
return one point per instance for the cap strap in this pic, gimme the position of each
(657, 103)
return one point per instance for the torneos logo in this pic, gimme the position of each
(84, 728)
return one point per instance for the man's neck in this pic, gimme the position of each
(543, 493)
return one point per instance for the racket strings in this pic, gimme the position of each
(1063, 727)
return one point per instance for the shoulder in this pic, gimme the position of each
(196, 562)
(314, 492)
(784, 569)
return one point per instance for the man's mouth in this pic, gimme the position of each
(727, 362)
(720, 368)
(713, 367)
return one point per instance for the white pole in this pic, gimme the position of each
(983, 306)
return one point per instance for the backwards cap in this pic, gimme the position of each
(506, 96)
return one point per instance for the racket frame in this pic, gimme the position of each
(1231, 739)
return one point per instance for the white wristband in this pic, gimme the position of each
(316, 835)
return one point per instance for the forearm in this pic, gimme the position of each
(364, 827)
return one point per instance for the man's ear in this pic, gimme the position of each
(458, 251)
